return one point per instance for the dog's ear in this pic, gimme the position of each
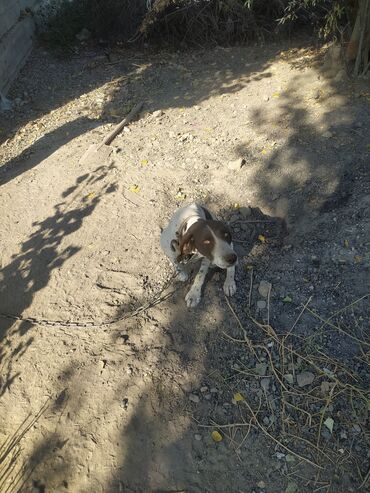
(186, 245)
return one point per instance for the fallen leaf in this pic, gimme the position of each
(144, 162)
(238, 397)
(276, 95)
(135, 188)
(262, 238)
(180, 195)
(216, 436)
(236, 206)
(287, 299)
(346, 243)
(357, 259)
(329, 423)
(264, 151)
(90, 195)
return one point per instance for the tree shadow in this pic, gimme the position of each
(29, 270)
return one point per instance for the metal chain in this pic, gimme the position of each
(61, 323)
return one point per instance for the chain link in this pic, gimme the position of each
(61, 323)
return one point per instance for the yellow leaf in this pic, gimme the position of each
(144, 162)
(236, 206)
(135, 188)
(262, 238)
(276, 95)
(357, 259)
(216, 436)
(264, 151)
(238, 397)
(248, 267)
(346, 243)
(180, 195)
(90, 195)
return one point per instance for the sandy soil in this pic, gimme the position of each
(271, 145)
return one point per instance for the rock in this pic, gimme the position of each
(245, 211)
(305, 378)
(261, 304)
(234, 218)
(292, 487)
(264, 288)
(261, 484)
(266, 421)
(265, 384)
(5, 103)
(157, 113)
(325, 387)
(83, 35)
(193, 398)
(236, 164)
(266, 98)
(204, 389)
(289, 378)
(198, 437)
(261, 369)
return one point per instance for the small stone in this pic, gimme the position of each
(204, 389)
(264, 288)
(356, 428)
(261, 369)
(266, 98)
(325, 387)
(265, 384)
(327, 134)
(233, 218)
(198, 437)
(289, 378)
(245, 211)
(157, 113)
(343, 435)
(261, 484)
(266, 421)
(261, 304)
(305, 378)
(236, 164)
(280, 455)
(290, 458)
(83, 35)
(208, 397)
(193, 398)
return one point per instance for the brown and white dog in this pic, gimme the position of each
(193, 232)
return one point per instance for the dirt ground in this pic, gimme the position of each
(264, 392)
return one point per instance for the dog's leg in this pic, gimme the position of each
(181, 273)
(195, 293)
(229, 284)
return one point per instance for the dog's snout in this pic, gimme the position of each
(231, 258)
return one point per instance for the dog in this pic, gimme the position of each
(193, 233)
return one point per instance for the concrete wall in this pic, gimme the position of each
(17, 29)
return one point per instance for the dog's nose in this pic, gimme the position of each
(231, 258)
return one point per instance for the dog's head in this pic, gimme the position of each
(211, 239)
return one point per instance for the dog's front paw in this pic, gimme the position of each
(229, 287)
(193, 298)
